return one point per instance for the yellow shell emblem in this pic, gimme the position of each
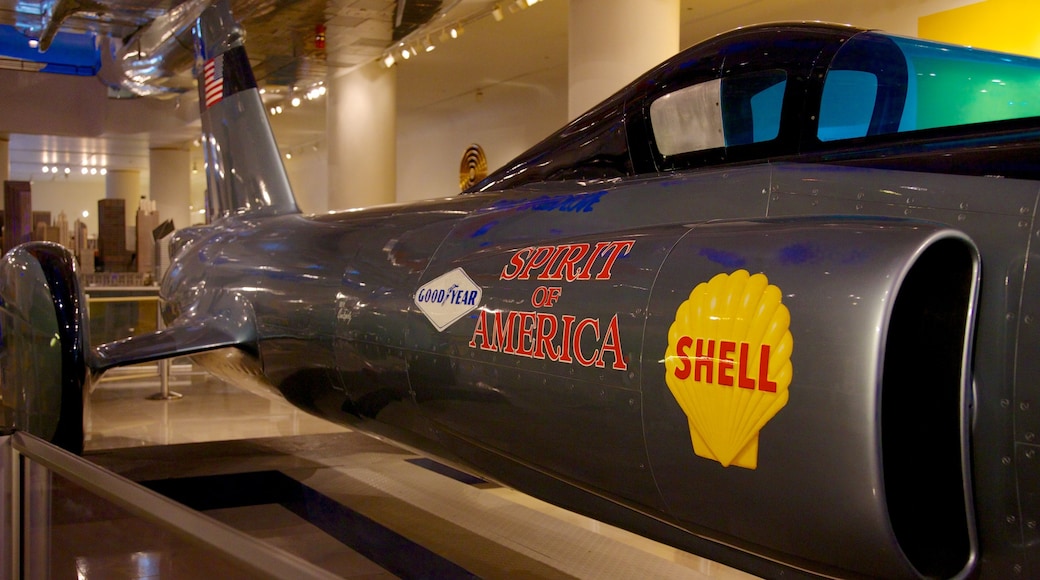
(728, 364)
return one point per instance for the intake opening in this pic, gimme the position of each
(923, 418)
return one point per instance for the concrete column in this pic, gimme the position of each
(611, 42)
(169, 184)
(362, 137)
(125, 184)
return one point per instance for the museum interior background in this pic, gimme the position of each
(376, 134)
(372, 134)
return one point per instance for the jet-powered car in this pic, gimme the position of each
(773, 303)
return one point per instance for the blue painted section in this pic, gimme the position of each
(69, 54)
(572, 203)
(723, 257)
(796, 254)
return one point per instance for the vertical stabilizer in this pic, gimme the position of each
(244, 171)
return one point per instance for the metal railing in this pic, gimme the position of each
(38, 482)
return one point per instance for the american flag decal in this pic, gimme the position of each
(213, 75)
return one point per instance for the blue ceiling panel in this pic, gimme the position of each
(70, 53)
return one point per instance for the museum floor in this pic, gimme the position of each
(450, 523)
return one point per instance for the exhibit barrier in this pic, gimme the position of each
(63, 516)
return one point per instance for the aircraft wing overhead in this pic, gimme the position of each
(193, 334)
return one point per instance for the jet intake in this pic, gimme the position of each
(925, 410)
(815, 402)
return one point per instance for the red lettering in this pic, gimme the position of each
(705, 360)
(705, 364)
(612, 344)
(726, 348)
(764, 384)
(542, 256)
(515, 261)
(561, 262)
(504, 325)
(545, 337)
(564, 269)
(615, 251)
(526, 339)
(554, 294)
(586, 270)
(537, 301)
(578, 330)
(682, 372)
(743, 381)
(481, 330)
(534, 335)
(565, 352)
(545, 296)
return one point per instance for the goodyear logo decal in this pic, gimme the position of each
(728, 364)
(447, 298)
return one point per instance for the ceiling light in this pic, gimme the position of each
(295, 101)
(497, 13)
(68, 170)
(33, 43)
(84, 170)
(456, 31)
(103, 171)
(93, 170)
(288, 156)
(406, 54)
(531, 2)
(46, 169)
(389, 60)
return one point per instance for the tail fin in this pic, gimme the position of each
(244, 171)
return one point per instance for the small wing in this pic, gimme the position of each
(228, 322)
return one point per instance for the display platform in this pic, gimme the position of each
(359, 507)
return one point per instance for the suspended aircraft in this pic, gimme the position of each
(771, 303)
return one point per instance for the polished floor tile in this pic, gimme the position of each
(122, 414)
(216, 430)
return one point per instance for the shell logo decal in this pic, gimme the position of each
(728, 364)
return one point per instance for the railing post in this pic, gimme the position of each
(10, 512)
(164, 393)
(36, 519)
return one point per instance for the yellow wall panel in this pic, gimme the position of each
(1004, 25)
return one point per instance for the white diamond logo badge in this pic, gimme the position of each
(447, 298)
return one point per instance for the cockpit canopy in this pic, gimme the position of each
(782, 92)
